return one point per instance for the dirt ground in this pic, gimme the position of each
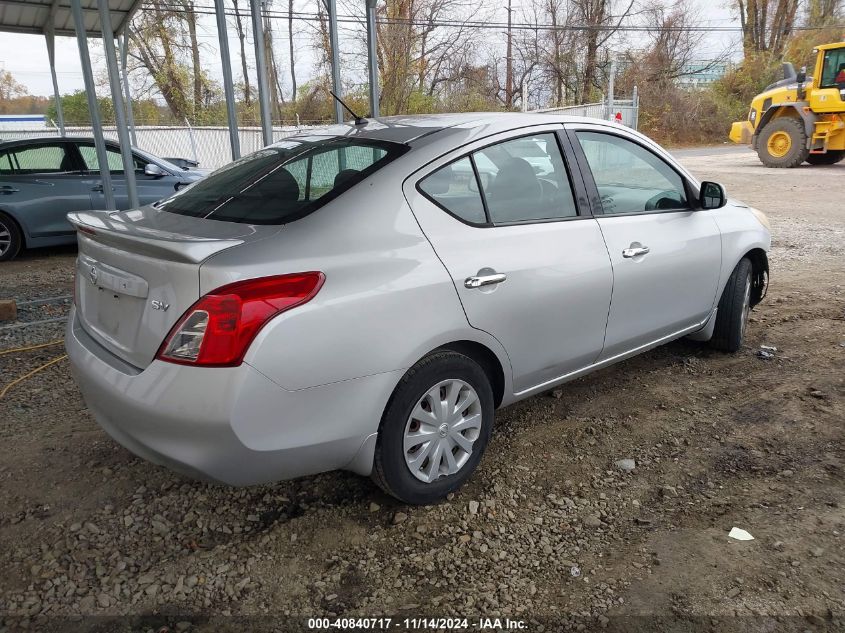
(549, 532)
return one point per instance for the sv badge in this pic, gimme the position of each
(159, 305)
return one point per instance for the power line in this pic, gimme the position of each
(523, 26)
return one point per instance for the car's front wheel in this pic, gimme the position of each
(734, 309)
(435, 428)
(10, 238)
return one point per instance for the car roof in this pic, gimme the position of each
(409, 129)
(34, 140)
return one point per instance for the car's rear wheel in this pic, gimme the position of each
(10, 238)
(435, 428)
(734, 309)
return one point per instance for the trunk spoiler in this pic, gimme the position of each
(109, 228)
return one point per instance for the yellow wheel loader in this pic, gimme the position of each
(800, 118)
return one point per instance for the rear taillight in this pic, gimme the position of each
(217, 330)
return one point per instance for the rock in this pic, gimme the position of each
(557, 394)
(473, 507)
(787, 473)
(75, 527)
(626, 465)
(86, 605)
(374, 507)
(399, 517)
(103, 600)
(591, 520)
(668, 491)
(778, 545)
(8, 310)
(816, 552)
(734, 592)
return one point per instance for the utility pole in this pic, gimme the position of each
(509, 62)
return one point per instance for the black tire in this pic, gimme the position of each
(390, 470)
(798, 151)
(9, 231)
(734, 307)
(830, 158)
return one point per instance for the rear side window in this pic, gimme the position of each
(525, 179)
(455, 188)
(283, 182)
(516, 181)
(38, 159)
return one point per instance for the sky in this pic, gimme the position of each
(25, 56)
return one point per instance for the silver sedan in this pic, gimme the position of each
(364, 297)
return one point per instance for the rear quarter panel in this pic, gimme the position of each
(386, 302)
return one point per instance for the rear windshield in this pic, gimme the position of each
(283, 182)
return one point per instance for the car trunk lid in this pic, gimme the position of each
(138, 272)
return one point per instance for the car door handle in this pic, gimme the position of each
(8, 189)
(635, 250)
(484, 280)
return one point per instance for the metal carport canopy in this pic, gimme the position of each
(83, 19)
(38, 16)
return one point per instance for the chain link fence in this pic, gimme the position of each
(627, 108)
(208, 146)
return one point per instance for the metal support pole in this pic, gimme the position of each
(51, 55)
(372, 57)
(331, 7)
(119, 111)
(228, 85)
(635, 100)
(123, 45)
(261, 71)
(93, 107)
(610, 87)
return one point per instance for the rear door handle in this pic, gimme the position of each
(484, 280)
(635, 250)
(8, 189)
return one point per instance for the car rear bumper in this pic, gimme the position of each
(231, 425)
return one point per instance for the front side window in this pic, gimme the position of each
(520, 180)
(113, 156)
(629, 178)
(284, 181)
(833, 70)
(37, 159)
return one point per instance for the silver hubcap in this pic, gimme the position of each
(5, 238)
(746, 305)
(441, 430)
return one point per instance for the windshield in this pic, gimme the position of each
(283, 182)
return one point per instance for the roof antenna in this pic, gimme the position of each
(359, 120)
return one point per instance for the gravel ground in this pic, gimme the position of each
(605, 503)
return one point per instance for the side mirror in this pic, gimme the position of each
(151, 169)
(712, 196)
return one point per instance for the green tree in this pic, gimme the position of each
(76, 112)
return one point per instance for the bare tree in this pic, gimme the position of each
(241, 31)
(292, 55)
(767, 25)
(601, 20)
